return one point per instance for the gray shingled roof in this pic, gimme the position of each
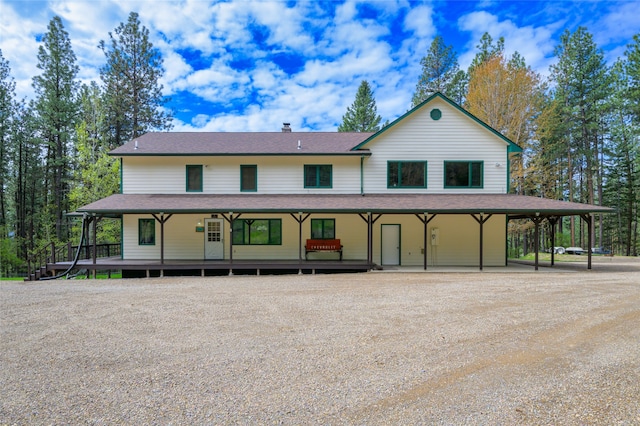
(326, 203)
(244, 143)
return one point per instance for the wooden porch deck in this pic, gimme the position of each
(212, 267)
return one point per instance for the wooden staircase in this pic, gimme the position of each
(45, 261)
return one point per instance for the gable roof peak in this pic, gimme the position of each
(512, 146)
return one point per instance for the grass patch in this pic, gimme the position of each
(542, 257)
(12, 278)
(99, 276)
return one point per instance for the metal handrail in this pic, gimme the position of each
(49, 254)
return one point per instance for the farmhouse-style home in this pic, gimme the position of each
(431, 188)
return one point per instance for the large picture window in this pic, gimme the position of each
(194, 178)
(257, 232)
(407, 174)
(323, 229)
(248, 178)
(318, 175)
(463, 174)
(146, 232)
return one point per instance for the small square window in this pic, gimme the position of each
(323, 229)
(318, 176)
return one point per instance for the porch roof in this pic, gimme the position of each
(513, 205)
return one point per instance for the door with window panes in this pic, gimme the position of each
(213, 239)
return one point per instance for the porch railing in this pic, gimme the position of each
(40, 262)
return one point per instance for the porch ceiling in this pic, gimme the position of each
(510, 204)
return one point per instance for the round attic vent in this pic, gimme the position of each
(436, 114)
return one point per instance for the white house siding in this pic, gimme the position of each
(130, 247)
(453, 137)
(221, 175)
(458, 245)
(458, 239)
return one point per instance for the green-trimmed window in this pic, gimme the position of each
(407, 174)
(194, 178)
(248, 178)
(318, 175)
(323, 229)
(257, 232)
(463, 174)
(146, 232)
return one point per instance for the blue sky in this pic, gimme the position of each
(252, 65)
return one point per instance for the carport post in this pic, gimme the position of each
(481, 221)
(425, 220)
(553, 221)
(589, 220)
(536, 222)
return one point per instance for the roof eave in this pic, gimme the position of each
(361, 152)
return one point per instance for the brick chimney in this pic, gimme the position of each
(286, 127)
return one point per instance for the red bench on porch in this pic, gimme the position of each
(323, 246)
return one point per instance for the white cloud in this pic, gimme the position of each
(419, 20)
(535, 44)
(212, 54)
(19, 46)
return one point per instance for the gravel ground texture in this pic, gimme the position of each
(369, 348)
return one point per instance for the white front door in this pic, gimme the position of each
(213, 239)
(390, 240)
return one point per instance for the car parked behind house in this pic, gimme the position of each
(574, 250)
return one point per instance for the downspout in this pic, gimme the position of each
(362, 175)
(85, 217)
(508, 172)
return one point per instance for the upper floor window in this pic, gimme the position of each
(318, 176)
(248, 178)
(146, 232)
(323, 229)
(407, 174)
(257, 232)
(194, 178)
(463, 174)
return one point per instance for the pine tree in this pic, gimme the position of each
(632, 69)
(7, 110)
(486, 50)
(130, 77)
(440, 73)
(581, 87)
(31, 217)
(56, 108)
(97, 174)
(362, 115)
(623, 159)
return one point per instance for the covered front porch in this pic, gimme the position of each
(480, 212)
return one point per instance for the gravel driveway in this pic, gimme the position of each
(372, 348)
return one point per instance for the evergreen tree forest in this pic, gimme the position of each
(54, 148)
(579, 128)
